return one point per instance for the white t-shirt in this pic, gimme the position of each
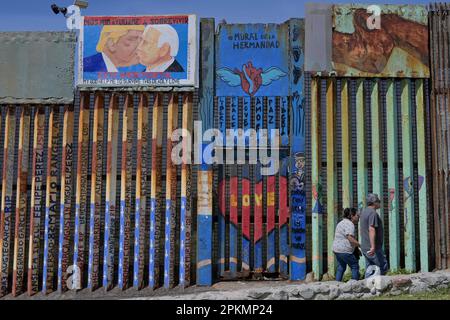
(341, 244)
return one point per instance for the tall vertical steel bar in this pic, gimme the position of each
(422, 175)
(222, 107)
(270, 189)
(332, 199)
(393, 173)
(141, 192)
(377, 150)
(283, 204)
(234, 179)
(96, 192)
(408, 177)
(297, 176)
(81, 189)
(7, 208)
(246, 190)
(156, 203)
(186, 201)
(125, 194)
(65, 208)
(258, 205)
(110, 196)
(317, 219)
(51, 203)
(361, 158)
(21, 203)
(171, 193)
(36, 203)
(347, 176)
(434, 135)
(205, 174)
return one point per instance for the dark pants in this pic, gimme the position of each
(343, 260)
(378, 259)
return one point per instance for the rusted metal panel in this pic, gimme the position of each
(21, 202)
(439, 27)
(142, 169)
(37, 200)
(50, 258)
(125, 194)
(65, 198)
(364, 49)
(96, 191)
(41, 65)
(332, 201)
(81, 191)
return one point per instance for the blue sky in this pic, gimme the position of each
(35, 15)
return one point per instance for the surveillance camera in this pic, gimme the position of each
(57, 10)
(81, 4)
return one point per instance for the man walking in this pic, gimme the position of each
(372, 235)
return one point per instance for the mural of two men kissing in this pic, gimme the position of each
(114, 51)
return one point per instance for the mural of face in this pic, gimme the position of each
(124, 50)
(148, 51)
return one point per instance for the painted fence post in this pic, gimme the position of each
(36, 208)
(186, 200)
(171, 199)
(246, 190)
(391, 130)
(332, 199)
(205, 174)
(51, 203)
(297, 175)
(422, 172)
(317, 219)
(222, 101)
(21, 202)
(96, 191)
(283, 204)
(376, 131)
(270, 189)
(347, 167)
(258, 204)
(156, 203)
(141, 192)
(110, 197)
(361, 158)
(65, 208)
(7, 208)
(408, 177)
(125, 194)
(234, 194)
(81, 188)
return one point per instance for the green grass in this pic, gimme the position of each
(398, 272)
(442, 294)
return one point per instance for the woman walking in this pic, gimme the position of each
(345, 244)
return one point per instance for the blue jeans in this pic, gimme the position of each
(378, 259)
(343, 260)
